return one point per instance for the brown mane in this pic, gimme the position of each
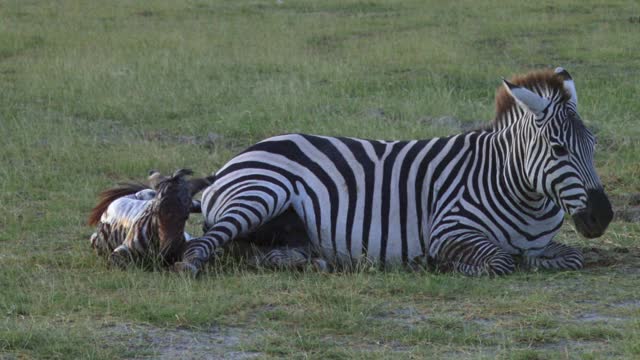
(536, 81)
(108, 196)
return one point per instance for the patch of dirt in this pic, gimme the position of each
(626, 207)
(568, 346)
(597, 317)
(621, 200)
(182, 343)
(145, 13)
(490, 328)
(631, 214)
(159, 136)
(605, 257)
(375, 113)
(443, 122)
(406, 316)
(456, 125)
(630, 304)
(114, 132)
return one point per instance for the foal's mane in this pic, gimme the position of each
(541, 82)
(108, 196)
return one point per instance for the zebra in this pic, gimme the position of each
(474, 202)
(136, 223)
(280, 244)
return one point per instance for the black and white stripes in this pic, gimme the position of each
(139, 224)
(467, 202)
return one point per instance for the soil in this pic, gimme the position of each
(152, 342)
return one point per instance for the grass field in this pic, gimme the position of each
(92, 93)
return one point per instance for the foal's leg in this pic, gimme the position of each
(556, 256)
(473, 254)
(121, 257)
(102, 240)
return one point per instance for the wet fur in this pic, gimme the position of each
(170, 208)
(108, 196)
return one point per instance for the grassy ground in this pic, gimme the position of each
(92, 93)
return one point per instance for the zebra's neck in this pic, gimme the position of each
(507, 149)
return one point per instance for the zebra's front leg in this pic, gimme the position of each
(472, 254)
(555, 256)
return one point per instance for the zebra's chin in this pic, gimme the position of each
(593, 220)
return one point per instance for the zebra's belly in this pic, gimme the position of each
(336, 244)
(361, 239)
(347, 230)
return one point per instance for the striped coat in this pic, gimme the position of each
(468, 202)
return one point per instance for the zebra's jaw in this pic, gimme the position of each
(592, 221)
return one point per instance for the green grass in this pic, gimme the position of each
(92, 93)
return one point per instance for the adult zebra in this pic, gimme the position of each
(468, 202)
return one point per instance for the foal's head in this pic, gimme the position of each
(171, 208)
(156, 216)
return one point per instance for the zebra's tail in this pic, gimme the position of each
(108, 196)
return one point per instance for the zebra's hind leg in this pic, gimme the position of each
(555, 256)
(289, 259)
(250, 205)
(473, 255)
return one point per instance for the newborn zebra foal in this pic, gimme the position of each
(140, 223)
(137, 223)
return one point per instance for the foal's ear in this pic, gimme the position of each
(198, 184)
(182, 172)
(526, 99)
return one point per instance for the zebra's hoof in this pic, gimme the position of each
(186, 268)
(501, 264)
(320, 265)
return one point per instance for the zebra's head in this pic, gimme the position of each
(559, 149)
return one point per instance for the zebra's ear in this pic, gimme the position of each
(526, 98)
(569, 85)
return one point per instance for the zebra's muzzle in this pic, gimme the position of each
(594, 219)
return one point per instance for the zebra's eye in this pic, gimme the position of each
(559, 150)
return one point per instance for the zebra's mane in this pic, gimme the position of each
(545, 83)
(110, 195)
